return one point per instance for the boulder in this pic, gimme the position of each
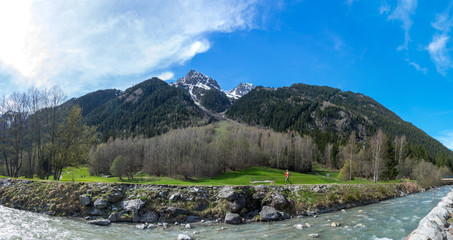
(113, 217)
(233, 218)
(269, 214)
(299, 226)
(335, 224)
(100, 222)
(148, 216)
(140, 226)
(184, 237)
(237, 205)
(85, 200)
(188, 226)
(192, 219)
(176, 197)
(313, 235)
(100, 203)
(92, 211)
(228, 193)
(115, 196)
(130, 205)
(284, 215)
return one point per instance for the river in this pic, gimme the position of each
(391, 219)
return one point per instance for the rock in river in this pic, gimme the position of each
(269, 214)
(100, 222)
(233, 218)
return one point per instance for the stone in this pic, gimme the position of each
(100, 203)
(237, 205)
(140, 226)
(269, 214)
(184, 237)
(115, 196)
(359, 225)
(85, 200)
(233, 218)
(188, 226)
(100, 222)
(130, 205)
(165, 225)
(176, 197)
(313, 235)
(148, 216)
(335, 224)
(192, 219)
(308, 225)
(284, 215)
(228, 193)
(299, 226)
(113, 217)
(92, 211)
(278, 201)
(360, 212)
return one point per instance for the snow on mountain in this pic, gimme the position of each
(240, 90)
(197, 84)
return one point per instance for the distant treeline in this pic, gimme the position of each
(203, 152)
(210, 150)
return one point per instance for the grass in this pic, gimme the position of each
(243, 177)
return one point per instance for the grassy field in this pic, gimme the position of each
(247, 176)
(243, 177)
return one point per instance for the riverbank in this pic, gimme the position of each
(185, 204)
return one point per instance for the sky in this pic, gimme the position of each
(398, 52)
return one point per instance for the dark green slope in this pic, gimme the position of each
(91, 101)
(148, 108)
(327, 113)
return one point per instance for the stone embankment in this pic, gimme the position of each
(158, 205)
(436, 225)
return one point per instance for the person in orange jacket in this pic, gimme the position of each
(287, 175)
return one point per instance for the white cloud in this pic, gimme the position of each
(166, 76)
(75, 44)
(403, 12)
(417, 67)
(446, 138)
(439, 53)
(437, 48)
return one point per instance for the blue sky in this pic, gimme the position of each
(397, 52)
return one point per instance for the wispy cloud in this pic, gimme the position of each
(446, 138)
(437, 48)
(417, 66)
(439, 53)
(403, 12)
(79, 43)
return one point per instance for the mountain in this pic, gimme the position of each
(327, 114)
(240, 90)
(207, 93)
(149, 108)
(91, 101)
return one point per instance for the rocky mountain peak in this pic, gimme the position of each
(240, 90)
(199, 80)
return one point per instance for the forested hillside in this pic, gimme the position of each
(328, 115)
(149, 108)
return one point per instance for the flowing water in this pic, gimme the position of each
(392, 219)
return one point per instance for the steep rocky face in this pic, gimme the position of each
(204, 91)
(240, 90)
(197, 84)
